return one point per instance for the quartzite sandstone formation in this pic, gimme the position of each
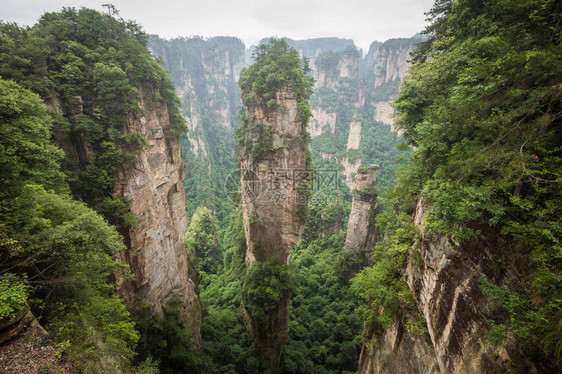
(273, 204)
(362, 232)
(156, 248)
(444, 277)
(273, 210)
(153, 186)
(398, 351)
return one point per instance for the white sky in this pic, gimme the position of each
(251, 20)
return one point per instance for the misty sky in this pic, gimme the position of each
(251, 20)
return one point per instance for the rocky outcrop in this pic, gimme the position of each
(389, 60)
(272, 200)
(156, 246)
(354, 137)
(384, 112)
(349, 168)
(322, 121)
(447, 292)
(273, 204)
(153, 186)
(445, 279)
(361, 230)
(205, 73)
(335, 69)
(398, 351)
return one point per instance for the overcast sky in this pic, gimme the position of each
(251, 20)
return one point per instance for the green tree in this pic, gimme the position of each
(26, 152)
(481, 106)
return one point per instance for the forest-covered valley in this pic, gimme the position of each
(197, 205)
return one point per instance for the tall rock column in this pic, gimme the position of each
(156, 250)
(274, 181)
(362, 232)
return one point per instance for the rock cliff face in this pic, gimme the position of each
(205, 73)
(361, 230)
(156, 248)
(389, 60)
(389, 64)
(273, 205)
(445, 282)
(398, 351)
(447, 292)
(272, 219)
(351, 104)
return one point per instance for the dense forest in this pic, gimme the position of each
(466, 274)
(60, 218)
(481, 108)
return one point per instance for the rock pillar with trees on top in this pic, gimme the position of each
(275, 185)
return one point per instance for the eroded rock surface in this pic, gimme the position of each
(398, 351)
(156, 248)
(361, 230)
(273, 220)
(273, 205)
(445, 279)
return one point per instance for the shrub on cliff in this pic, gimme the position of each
(482, 108)
(277, 66)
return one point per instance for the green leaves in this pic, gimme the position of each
(93, 69)
(265, 284)
(277, 66)
(201, 241)
(13, 293)
(26, 153)
(481, 107)
(383, 295)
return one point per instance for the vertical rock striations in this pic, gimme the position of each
(273, 208)
(351, 106)
(156, 247)
(273, 161)
(389, 61)
(205, 73)
(446, 286)
(398, 351)
(362, 232)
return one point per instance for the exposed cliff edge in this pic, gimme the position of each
(274, 206)
(473, 244)
(351, 106)
(445, 279)
(153, 188)
(446, 286)
(273, 182)
(361, 230)
(156, 250)
(205, 73)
